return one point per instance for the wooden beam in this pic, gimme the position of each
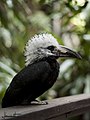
(56, 109)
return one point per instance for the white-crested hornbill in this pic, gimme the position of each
(40, 72)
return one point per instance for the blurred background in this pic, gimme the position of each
(68, 21)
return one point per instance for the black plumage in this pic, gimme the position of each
(40, 73)
(31, 82)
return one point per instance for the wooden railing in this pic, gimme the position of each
(56, 109)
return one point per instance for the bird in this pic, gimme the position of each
(40, 72)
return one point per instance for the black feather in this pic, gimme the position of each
(31, 82)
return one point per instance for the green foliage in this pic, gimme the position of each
(68, 21)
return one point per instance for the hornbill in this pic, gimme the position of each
(40, 72)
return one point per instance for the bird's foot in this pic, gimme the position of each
(37, 102)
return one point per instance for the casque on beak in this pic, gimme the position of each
(64, 51)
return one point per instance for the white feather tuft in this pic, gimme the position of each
(35, 43)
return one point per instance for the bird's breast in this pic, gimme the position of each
(54, 65)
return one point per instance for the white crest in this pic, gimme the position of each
(35, 43)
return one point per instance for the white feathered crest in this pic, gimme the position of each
(35, 43)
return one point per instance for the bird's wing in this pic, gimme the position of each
(27, 80)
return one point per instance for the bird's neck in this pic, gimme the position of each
(52, 62)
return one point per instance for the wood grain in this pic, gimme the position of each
(56, 109)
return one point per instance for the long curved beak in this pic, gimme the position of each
(66, 52)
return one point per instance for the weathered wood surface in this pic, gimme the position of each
(56, 109)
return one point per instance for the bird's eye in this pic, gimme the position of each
(51, 48)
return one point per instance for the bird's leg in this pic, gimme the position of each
(37, 102)
(34, 102)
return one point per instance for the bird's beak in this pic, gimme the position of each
(66, 52)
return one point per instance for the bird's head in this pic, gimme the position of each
(46, 46)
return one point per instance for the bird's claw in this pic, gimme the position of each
(36, 102)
